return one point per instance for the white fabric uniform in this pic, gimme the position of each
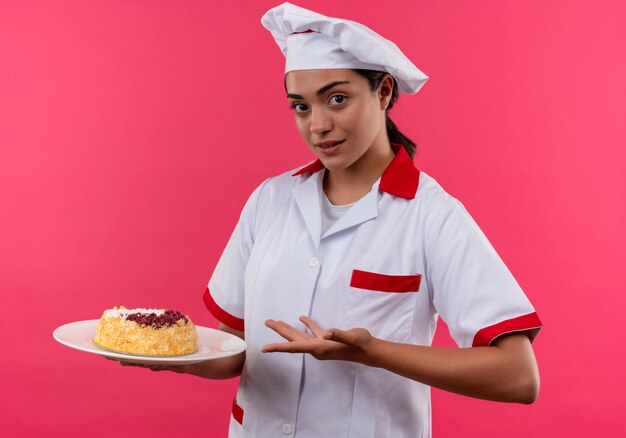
(398, 258)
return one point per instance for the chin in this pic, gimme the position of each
(334, 166)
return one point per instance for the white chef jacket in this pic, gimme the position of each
(402, 255)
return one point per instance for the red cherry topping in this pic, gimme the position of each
(169, 318)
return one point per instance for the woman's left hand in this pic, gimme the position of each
(330, 344)
(504, 371)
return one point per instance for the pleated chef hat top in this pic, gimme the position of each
(313, 41)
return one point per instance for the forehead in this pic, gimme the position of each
(309, 81)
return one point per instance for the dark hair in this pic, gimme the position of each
(374, 78)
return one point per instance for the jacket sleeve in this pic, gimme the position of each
(224, 295)
(471, 287)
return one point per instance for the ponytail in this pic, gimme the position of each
(395, 136)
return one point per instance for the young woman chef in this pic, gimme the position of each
(350, 260)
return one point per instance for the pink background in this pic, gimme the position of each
(131, 133)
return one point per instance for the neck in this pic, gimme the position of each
(356, 180)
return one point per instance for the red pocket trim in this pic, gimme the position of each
(385, 283)
(237, 412)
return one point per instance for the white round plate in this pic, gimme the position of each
(212, 344)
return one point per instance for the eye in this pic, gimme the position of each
(338, 98)
(299, 107)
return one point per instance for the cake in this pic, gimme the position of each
(146, 332)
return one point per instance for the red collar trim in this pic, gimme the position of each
(314, 167)
(400, 178)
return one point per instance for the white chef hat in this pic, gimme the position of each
(313, 41)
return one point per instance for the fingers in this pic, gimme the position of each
(342, 336)
(357, 339)
(152, 367)
(309, 346)
(315, 329)
(286, 331)
(332, 335)
(318, 348)
(313, 346)
(325, 344)
(291, 333)
(134, 364)
(285, 347)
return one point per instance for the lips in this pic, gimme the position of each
(329, 143)
(329, 147)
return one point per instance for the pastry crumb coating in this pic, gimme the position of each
(127, 336)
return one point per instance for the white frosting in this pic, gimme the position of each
(123, 313)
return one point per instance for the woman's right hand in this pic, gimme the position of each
(224, 368)
(183, 369)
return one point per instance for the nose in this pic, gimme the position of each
(320, 121)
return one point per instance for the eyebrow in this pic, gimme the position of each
(319, 92)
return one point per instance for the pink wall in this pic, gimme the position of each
(131, 132)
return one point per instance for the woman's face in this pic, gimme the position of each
(338, 114)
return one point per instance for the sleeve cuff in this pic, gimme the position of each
(530, 322)
(222, 315)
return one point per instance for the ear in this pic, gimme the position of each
(385, 91)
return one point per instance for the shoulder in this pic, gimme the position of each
(437, 209)
(430, 195)
(276, 190)
(445, 216)
(285, 181)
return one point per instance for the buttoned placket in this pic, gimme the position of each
(308, 197)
